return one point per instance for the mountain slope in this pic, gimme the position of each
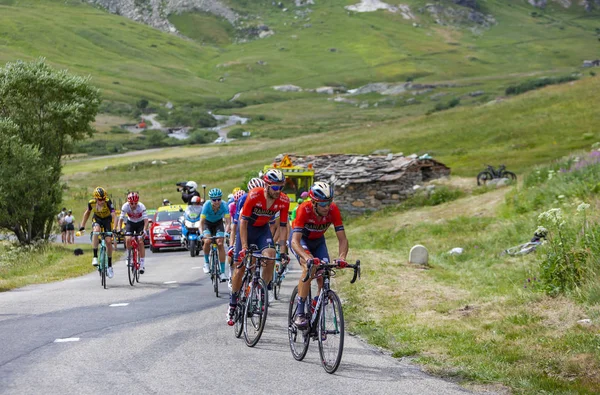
(312, 45)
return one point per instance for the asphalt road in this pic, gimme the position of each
(168, 335)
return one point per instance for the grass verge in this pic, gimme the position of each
(42, 264)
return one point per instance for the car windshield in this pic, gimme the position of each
(167, 216)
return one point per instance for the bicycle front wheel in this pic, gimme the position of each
(215, 272)
(130, 267)
(255, 312)
(240, 309)
(510, 175)
(103, 266)
(331, 332)
(484, 177)
(299, 339)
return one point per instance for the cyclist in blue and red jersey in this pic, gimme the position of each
(307, 240)
(261, 205)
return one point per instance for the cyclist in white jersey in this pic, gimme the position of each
(137, 222)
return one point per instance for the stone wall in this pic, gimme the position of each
(370, 182)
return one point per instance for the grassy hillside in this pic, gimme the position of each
(129, 60)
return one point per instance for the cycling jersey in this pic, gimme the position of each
(137, 214)
(256, 212)
(313, 226)
(213, 216)
(101, 211)
(232, 211)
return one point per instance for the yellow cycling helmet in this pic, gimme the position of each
(235, 190)
(100, 193)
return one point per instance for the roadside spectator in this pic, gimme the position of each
(63, 230)
(166, 202)
(70, 228)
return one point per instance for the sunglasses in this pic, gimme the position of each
(276, 187)
(101, 200)
(216, 200)
(323, 204)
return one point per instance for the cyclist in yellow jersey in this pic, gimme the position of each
(103, 219)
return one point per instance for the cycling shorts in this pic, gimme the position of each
(261, 236)
(105, 223)
(213, 228)
(134, 227)
(315, 247)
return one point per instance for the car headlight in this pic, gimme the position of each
(158, 231)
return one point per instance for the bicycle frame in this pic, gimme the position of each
(102, 255)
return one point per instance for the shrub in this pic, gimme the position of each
(538, 83)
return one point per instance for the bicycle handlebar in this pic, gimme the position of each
(336, 264)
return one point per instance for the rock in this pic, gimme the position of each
(332, 49)
(380, 195)
(419, 255)
(358, 203)
(585, 321)
(456, 251)
(476, 93)
(326, 90)
(381, 152)
(287, 88)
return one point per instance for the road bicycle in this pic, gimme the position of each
(490, 173)
(251, 312)
(522, 249)
(215, 265)
(133, 261)
(326, 324)
(102, 255)
(279, 272)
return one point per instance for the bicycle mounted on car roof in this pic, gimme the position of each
(491, 173)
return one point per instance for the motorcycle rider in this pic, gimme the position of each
(194, 209)
(188, 191)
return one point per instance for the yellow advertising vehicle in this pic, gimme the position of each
(298, 179)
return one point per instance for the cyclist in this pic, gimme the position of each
(166, 202)
(261, 205)
(137, 222)
(103, 219)
(235, 218)
(214, 213)
(307, 240)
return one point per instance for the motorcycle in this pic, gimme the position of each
(190, 233)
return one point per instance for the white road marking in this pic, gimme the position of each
(197, 267)
(67, 339)
(170, 282)
(294, 271)
(118, 304)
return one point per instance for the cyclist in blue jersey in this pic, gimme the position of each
(213, 220)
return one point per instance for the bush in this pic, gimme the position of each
(538, 83)
(237, 133)
(445, 106)
(571, 250)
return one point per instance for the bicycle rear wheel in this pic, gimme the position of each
(331, 332)
(255, 312)
(510, 175)
(239, 311)
(299, 339)
(130, 267)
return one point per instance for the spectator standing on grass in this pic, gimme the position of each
(61, 224)
(70, 228)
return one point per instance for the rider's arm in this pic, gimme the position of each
(244, 233)
(343, 244)
(84, 219)
(232, 234)
(297, 247)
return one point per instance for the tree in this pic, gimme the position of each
(45, 111)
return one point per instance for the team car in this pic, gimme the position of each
(165, 230)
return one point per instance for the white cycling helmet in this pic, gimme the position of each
(192, 186)
(255, 183)
(274, 176)
(321, 192)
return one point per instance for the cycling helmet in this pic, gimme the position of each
(100, 193)
(321, 192)
(191, 185)
(255, 183)
(238, 195)
(195, 200)
(215, 193)
(274, 176)
(133, 197)
(166, 202)
(235, 190)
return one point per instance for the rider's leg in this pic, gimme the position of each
(267, 273)
(221, 250)
(109, 249)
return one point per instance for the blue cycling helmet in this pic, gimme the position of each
(215, 193)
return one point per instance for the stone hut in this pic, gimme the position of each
(369, 182)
